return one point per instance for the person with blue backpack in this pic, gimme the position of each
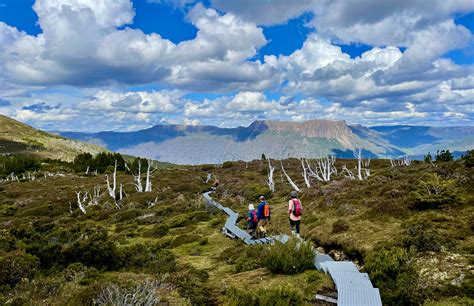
(252, 220)
(263, 215)
(295, 209)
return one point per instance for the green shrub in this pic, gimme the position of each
(264, 297)
(184, 239)
(468, 158)
(392, 271)
(227, 165)
(444, 156)
(192, 284)
(434, 192)
(17, 265)
(149, 257)
(158, 230)
(289, 258)
(340, 226)
(423, 237)
(254, 191)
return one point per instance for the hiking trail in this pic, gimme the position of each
(353, 288)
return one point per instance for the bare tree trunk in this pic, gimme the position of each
(269, 181)
(305, 174)
(148, 181)
(113, 188)
(289, 179)
(80, 201)
(349, 173)
(138, 178)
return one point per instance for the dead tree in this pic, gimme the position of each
(152, 203)
(112, 188)
(208, 178)
(148, 180)
(324, 168)
(362, 166)
(313, 173)
(138, 178)
(269, 181)
(96, 197)
(305, 174)
(289, 179)
(81, 201)
(348, 172)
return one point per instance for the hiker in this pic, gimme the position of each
(252, 221)
(215, 184)
(295, 210)
(263, 215)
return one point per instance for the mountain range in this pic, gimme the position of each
(181, 144)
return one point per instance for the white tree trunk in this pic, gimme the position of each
(112, 188)
(305, 174)
(362, 165)
(269, 181)
(80, 201)
(138, 178)
(148, 180)
(289, 179)
(314, 173)
(326, 167)
(349, 173)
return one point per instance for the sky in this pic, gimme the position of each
(95, 65)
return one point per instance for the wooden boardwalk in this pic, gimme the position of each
(353, 288)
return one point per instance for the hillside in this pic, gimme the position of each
(278, 139)
(415, 243)
(16, 137)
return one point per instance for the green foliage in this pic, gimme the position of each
(184, 239)
(101, 162)
(192, 284)
(444, 156)
(254, 191)
(15, 266)
(428, 158)
(340, 226)
(18, 164)
(422, 237)
(148, 257)
(468, 158)
(392, 271)
(227, 165)
(264, 297)
(434, 192)
(289, 258)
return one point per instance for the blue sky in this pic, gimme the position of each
(133, 64)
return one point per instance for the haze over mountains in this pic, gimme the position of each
(278, 139)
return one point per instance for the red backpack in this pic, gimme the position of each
(297, 210)
(253, 216)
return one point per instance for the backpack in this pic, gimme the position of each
(253, 216)
(266, 210)
(296, 207)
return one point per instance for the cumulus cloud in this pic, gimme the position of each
(86, 43)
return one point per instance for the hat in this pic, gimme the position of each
(293, 194)
(251, 207)
(262, 198)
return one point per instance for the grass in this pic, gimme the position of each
(367, 214)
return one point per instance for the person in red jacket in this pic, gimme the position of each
(295, 210)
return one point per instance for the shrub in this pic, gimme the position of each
(192, 284)
(444, 156)
(289, 258)
(158, 230)
(434, 192)
(468, 158)
(423, 237)
(256, 190)
(149, 257)
(184, 239)
(144, 294)
(392, 271)
(227, 165)
(17, 265)
(264, 297)
(340, 226)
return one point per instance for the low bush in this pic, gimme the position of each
(423, 237)
(192, 284)
(289, 258)
(340, 226)
(434, 192)
(17, 265)
(254, 191)
(148, 257)
(184, 239)
(158, 231)
(392, 271)
(468, 158)
(264, 297)
(145, 293)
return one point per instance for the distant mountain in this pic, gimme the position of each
(278, 139)
(16, 137)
